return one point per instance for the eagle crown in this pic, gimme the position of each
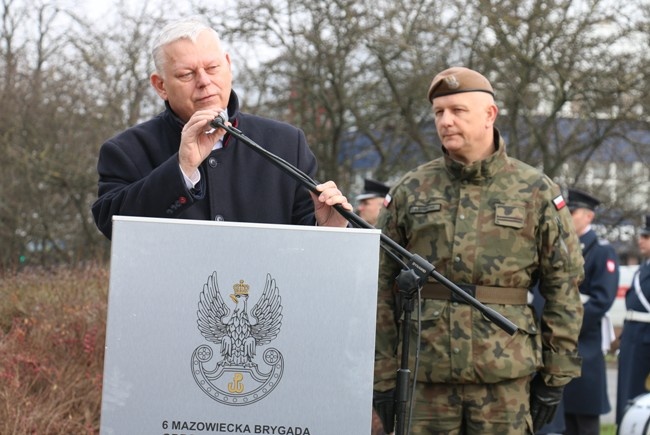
(241, 288)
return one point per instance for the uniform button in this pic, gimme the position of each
(456, 350)
(213, 162)
(219, 218)
(182, 200)
(534, 329)
(454, 304)
(457, 259)
(436, 313)
(462, 216)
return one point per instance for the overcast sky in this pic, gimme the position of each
(99, 8)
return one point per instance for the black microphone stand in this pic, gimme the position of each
(410, 280)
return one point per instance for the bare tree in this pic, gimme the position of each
(316, 65)
(352, 74)
(10, 52)
(26, 128)
(558, 59)
(73, 87)
(572, 86)
(571, 79)
(358, 71)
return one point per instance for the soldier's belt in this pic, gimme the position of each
(484, 294)
(637, 316)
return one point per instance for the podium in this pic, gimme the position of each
(231, 328)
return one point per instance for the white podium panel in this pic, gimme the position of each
(227, 328)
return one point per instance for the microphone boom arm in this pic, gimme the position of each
(415, 262)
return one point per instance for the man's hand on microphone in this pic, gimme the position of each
(324, 203)
(544, 401)
(197, 139)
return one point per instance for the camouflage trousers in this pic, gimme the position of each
(454, 409)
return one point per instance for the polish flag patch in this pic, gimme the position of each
(387, 199)
(559, 202)
(611, 266)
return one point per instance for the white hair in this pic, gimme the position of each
(186, 28)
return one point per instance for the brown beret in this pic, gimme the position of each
(456, 80)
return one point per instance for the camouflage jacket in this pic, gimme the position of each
(498, 223)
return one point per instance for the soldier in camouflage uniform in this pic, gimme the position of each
(494, 226)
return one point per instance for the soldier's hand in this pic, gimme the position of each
(384, 404)
(543, 402)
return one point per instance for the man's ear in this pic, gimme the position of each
(158, 84)
(591, 215)
(493, 111)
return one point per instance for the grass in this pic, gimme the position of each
(608, 429)
(52, 330)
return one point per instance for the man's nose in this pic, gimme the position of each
(445, 117)
(203, 78)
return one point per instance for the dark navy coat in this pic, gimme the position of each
(634, 356)
(587, 395)
(139, 174)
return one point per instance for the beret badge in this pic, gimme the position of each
(452, 82)
(455, 80)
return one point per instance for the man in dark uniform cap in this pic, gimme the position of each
(585, 398)
(371, 200)
(634, 356)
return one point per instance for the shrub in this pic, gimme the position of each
(52, 333)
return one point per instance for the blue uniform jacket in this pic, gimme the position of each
(634, 356)
(588, 393)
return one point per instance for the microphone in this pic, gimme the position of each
(220, 120)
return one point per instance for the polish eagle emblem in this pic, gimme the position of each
(236, 379)
(236, 333)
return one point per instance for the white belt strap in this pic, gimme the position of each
(608, 335)
(639, 293)
(637, 316)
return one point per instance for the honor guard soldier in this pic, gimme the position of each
(585, 398)
(634, 356)
(371, 200)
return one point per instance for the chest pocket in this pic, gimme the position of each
(513, 231)
(510, 215)
(430, 226)
(429, 215)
